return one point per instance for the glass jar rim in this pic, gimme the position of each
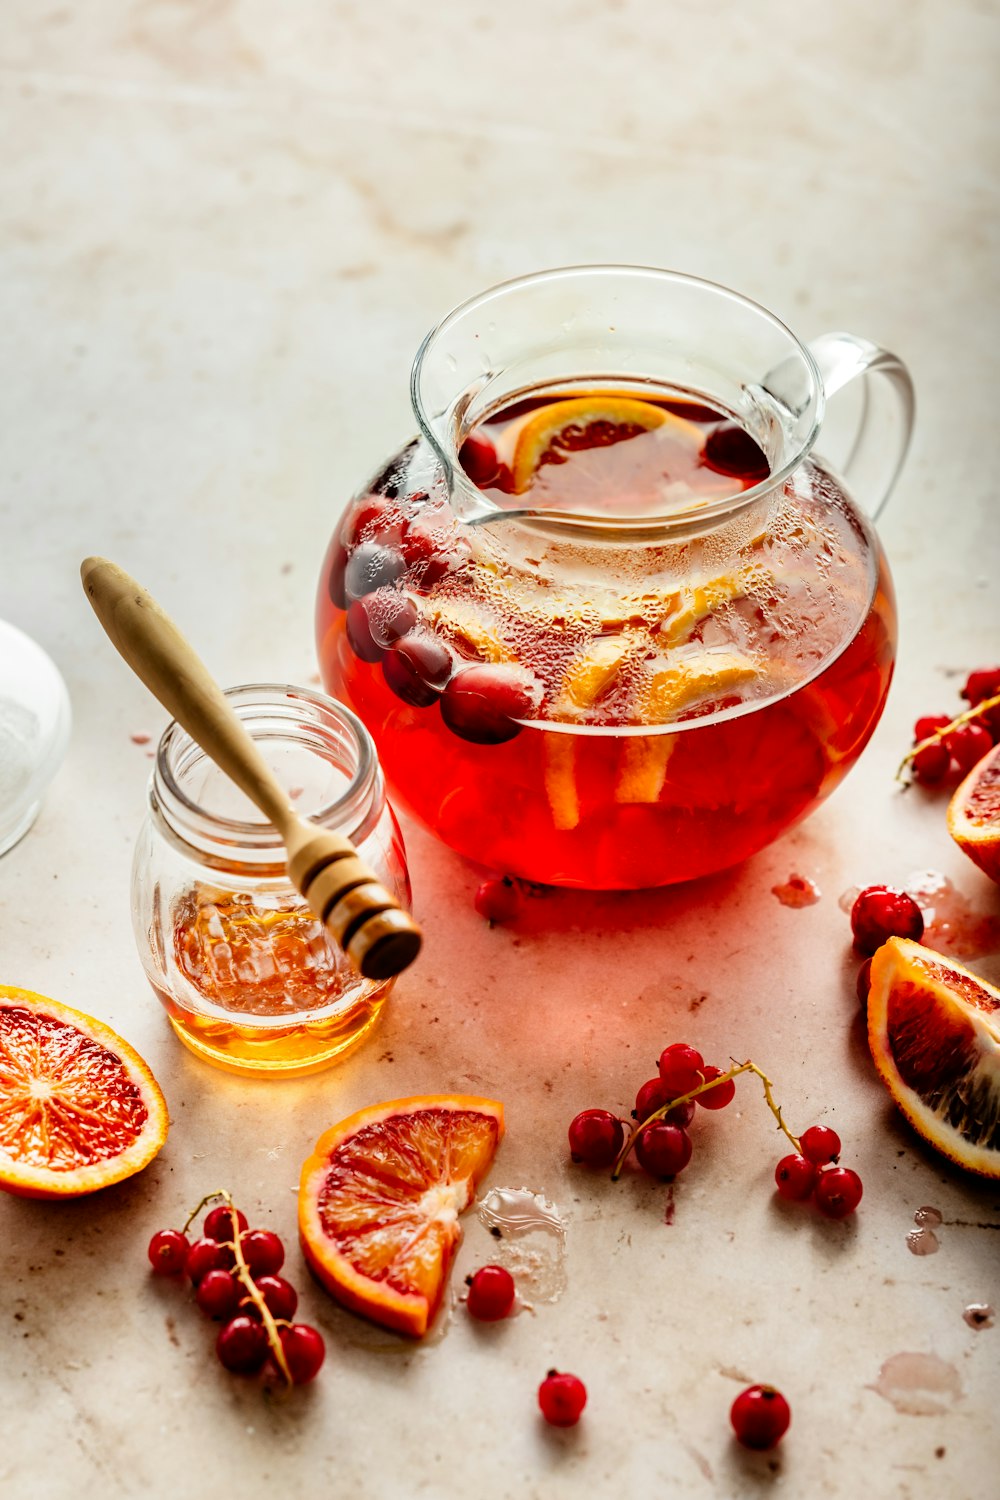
(477, 509)
(350, 812)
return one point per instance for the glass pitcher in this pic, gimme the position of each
(610, 619)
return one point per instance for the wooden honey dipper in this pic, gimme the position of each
(378, 937)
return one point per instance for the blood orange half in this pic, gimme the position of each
(974, 815)
(79, 1109)
(934, 1031)
(380, 1198)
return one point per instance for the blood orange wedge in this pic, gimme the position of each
(595, 421)
(79, 1109)
(934, 1031)
(974, 815)
(380, 1198)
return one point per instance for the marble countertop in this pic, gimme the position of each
(225, 228)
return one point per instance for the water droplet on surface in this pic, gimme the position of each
(918, 1385)
(532, 1242)
(931, 1217)
(797, 891)
(922, 1241)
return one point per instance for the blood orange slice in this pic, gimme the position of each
(380, 1198)
(79, 1109)
(934, 1031)
(598, 420)
(974, 815)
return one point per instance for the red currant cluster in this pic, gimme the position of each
(665, 1107)
(879, 913)
(234, 1273)
(946, 747)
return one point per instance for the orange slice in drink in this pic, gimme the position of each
(974, 815)
(934, 1032)
(380, 1198)
(79, 1109)
(595, 421)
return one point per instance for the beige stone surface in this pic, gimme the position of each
(225, 227)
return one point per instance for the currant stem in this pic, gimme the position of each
(969, 716)
(703, 1088)
(245, 1279)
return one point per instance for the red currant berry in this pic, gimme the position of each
(663, 1150)
(838, 1192)
(168, 1252)
(562, 1399)
(484, 703)
(721, 1095)
(928, 725)
(968, 744)
(931, 764)
(760, 1416)
(820, 1145)
(653, 1095)
(681, 1068)
(984, 683)
(417, 669)
(595, 1137)
(218, 1294)
(280, 1297)
(478, 458)
(205, 1256)
(304, 1351)
(263, 1252)
(864, 983)
(795, 1177)
(491, 1294)
(219, 1224)
(499, 900)
(372, 566)
(880, 913)
(242, 1345)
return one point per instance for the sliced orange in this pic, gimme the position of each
(79, 1109)
(380, 1198)
(934, 1031)
(581, 422)
(974, 815)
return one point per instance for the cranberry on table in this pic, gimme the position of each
(681, 1068)
(760, 1416)
(304, 1351)
(968, 744)
(931, 764)
(984, 683)
(499, 899)
(205, 1256)
(242, 1346)
(168, 1252)
(263, 1252)
(820, 1144)
(721, 1095)
(218, 1294)
(795, 1178)
(417, 668)
(662, 1149)
(491, 1294)
(280, 1297)
(562, 1398)
(596, 1137)
(838, 1192)
(219, 1223)
(483, 704)
(880, 913)
(372, 566)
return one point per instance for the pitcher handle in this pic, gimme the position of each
(880, 444)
